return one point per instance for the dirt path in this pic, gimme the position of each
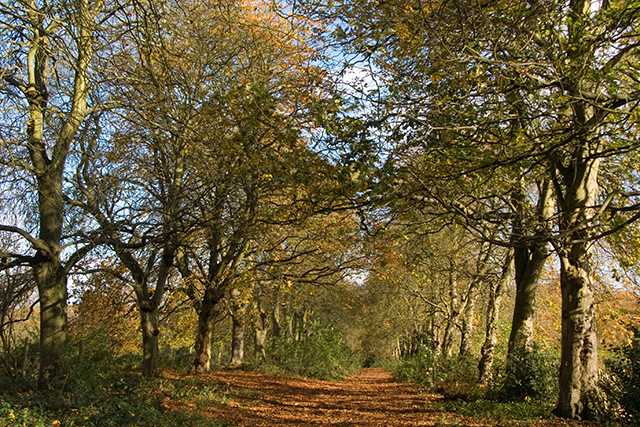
(370, 398)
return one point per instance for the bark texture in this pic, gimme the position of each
(237, 329)
(149, 322)
(530, 254)
(261, 334)
(466, 327)
(496, 291)
(578, 357)
(52, 290)
(453, 313)
(207, 317)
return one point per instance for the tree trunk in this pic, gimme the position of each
(452, 318)
(289, 316)
(578, 356)
(207, 316)
(48, 160)
(529, 263)
(261, 335)
(237, 341)
(149, 321)
(579, 361)
(434, 334)
(447, 338)
(530, 254)
(467, 325)
(52, 290)
(237, 330)
(261, 344)
(276, 320)
(296, 325)
(51, 278)
(306, 320)
(493, 307)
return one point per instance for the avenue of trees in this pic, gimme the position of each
(317, 185)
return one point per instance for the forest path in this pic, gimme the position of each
(369, 398)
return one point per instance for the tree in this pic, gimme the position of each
(133, 180)
(45, 68)
(253, 170)
(570, 67)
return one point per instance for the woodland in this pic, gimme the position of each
(210, 207)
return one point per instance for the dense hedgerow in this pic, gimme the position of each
(533, 375)
(321, 354)
(457, 379)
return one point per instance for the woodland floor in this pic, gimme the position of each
(369, 398)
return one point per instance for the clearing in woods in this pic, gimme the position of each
(369, 398)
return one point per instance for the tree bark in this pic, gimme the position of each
(579, 361)
(51, 278)
(447, 338)
(149, 321)
(529, 262)
(52, 290)
(261, 335)
(237, 330)
(452, 318)
(530, 255)
(207, 316)
(276, 320)
(578, 356)
(289, 317)
(466, 328)
(434, 334)
(493, 307)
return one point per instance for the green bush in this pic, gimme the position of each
(100, 390)
(618, 397)
(19, 366)
(418, 368)
(455, 378)
(321, 354)
(533, 375)
(16, 416)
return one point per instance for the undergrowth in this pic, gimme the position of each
(321, 354)
(456, 378)
(105, 391)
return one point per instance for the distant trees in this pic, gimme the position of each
(492, 105)
(233, 153)
(207, 158)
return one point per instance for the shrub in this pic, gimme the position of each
(455, 378)
(321, 354)
(533, 375)
(15, 416)
(417, 368)
(617, 397)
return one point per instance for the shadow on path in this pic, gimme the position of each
(370, 398)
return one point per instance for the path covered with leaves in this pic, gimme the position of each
(370, 398)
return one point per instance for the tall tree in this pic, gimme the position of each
(48, 48)
(570, 66)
